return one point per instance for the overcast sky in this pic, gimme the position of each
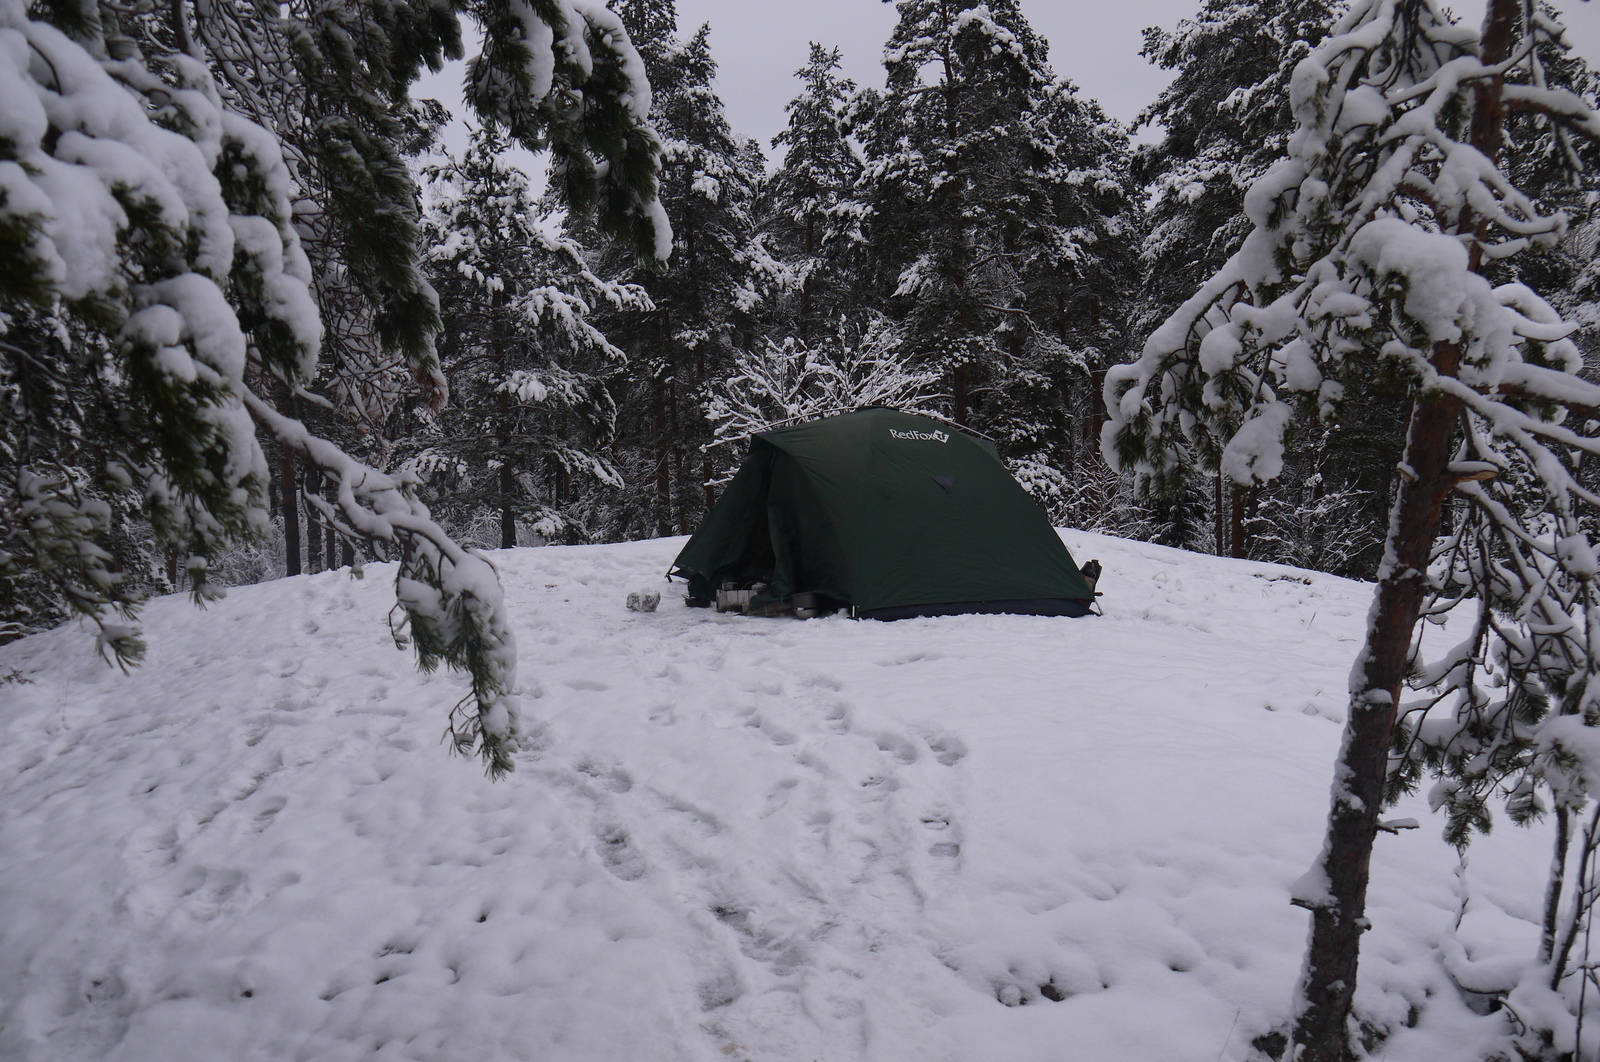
(759, 44)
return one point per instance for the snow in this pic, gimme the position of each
(725, 838)
(609, 27)
(1255, 453)
(1441, 294)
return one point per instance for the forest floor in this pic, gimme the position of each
(973, 839)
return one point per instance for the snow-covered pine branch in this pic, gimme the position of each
(152, 284)
(1365, 258)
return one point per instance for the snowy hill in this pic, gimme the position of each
(971, 838)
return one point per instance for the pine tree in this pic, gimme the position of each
(937, 153)
(331, 77)
(1549, 166)
(153, 287)
(1226, 120)
(1078, 221)
(527, 433)
(809, 218)
(1365, 258)
(703, 301)
(1001, 215)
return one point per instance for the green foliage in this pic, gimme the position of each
(1001, 220)
(526, 437)
(703, 303)
(808, 216)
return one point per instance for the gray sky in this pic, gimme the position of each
(759, 44)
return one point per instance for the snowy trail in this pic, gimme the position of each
(1007, 838)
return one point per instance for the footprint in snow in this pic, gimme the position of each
(207, 897)
(775, 733)
(158, 849)
(271, 807)
(613, 778)
(947, 843)
(823, 682)
(911, 658)
(837, 718)
(616, 851)
(899, 745)
(947, 749)
(778, 798)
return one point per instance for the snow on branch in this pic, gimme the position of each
(1366, 241)
(573, 83)
(151, 281)
(454, 606)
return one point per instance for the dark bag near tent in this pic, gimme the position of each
(887, 514)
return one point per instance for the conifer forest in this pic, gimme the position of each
(1332, 302)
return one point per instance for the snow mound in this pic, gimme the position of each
(986, 837)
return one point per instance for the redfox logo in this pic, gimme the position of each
(930, 436)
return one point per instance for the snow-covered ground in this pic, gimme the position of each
(970, 838)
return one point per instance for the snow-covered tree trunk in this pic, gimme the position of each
(1336, 889)
(1338, 917)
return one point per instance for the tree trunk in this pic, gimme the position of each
(507, 480)
(1338, 914)
(1552, 892)
(1099, 504)
(663, 471)
(804, 318)
(313, 523)
(508, 512)
(678, 505)
(287, 480)
(1236, 534)
(288, 484)
(1582, 902)
(1218, 510)
(1337, 894)
(273, 505)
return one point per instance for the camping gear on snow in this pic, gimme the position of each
(644, 600)
(1091, 574)
(732, 599)
(887, 514)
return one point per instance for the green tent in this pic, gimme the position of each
(887, 514)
